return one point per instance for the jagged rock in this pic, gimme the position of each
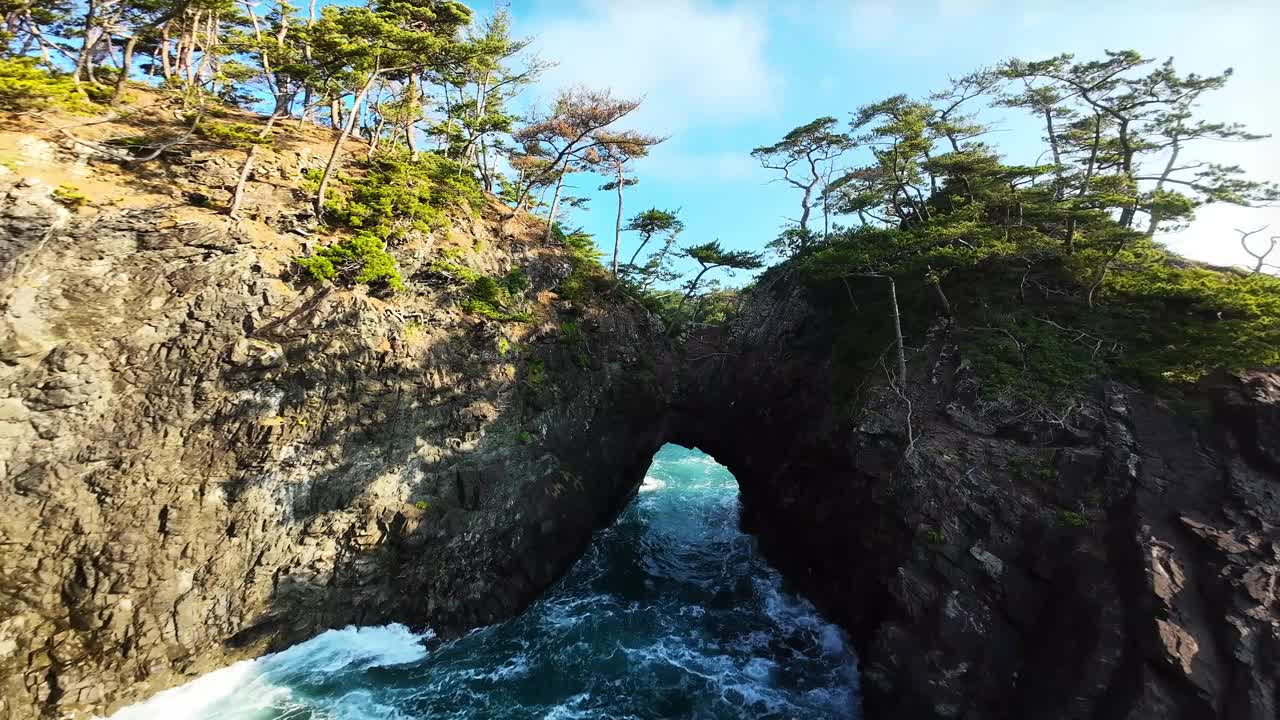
(254, 354)
(1134, 552)
(201, 463)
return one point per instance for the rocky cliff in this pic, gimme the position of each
(1119, 558)
(205, 457)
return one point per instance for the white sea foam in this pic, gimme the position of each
(248, 688)
(671, 599)
(651, 484)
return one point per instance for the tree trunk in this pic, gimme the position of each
(189, 50)
(693, 287)
(238, 196)
(126, 65)
(1070, 242)
(410, 137)
(166, 67)
(936, 282)
(306, 53)
(377, 136)
(448, 121)
(555, 204)
(337, 146)
(1126, 166)
(1057, 155)
(335, 113)
(1154, 223)
(87, 41)
(804, 209)
(617, 225)
(643, 241)
(897, 333)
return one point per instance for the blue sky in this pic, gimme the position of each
(723, 77)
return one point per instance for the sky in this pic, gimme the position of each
(722, 77)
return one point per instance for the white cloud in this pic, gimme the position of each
(675, 164)
(694, 63)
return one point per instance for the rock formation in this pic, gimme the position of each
(1122, 561)
(203, 461)
(205, 458)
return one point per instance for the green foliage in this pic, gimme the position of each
(934, 536)
(24, 85)
(362, 259)
(1072, 519)
(1181, 320)
(70, 196)
(494, 298)
(1028, 361)
(459, 273)
(235, 135)
(536, 374)
(571, 332)
(934, 205)
(422, 505)
(587, 276)
(497, 299)
(397, 194)
(524, 437)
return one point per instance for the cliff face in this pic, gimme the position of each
(202, 461)
(1118, 561)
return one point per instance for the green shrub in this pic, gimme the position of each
(524, 437)
(571, 332)
(461, 273)
(1181, 320)
(1027, 360)
(934, 536)
(586, 275)
(70, 196)
(536, 373)
(516, 282)
(235, 135)
(422, 505)
(398, 194)
(24, 85)
(360, 259)
(1073, 519)
(486, 296)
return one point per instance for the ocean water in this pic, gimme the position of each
(671, 613)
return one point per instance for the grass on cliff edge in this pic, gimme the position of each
(1024, 323)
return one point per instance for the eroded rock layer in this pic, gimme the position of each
(204, 458)
(1119, 561)
(202, 461)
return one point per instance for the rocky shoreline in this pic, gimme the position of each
(203, 462)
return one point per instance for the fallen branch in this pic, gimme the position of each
(1116, 346)
(714, 354)
(238, 195)
(900, 392)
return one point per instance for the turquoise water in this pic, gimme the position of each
(671, 613)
